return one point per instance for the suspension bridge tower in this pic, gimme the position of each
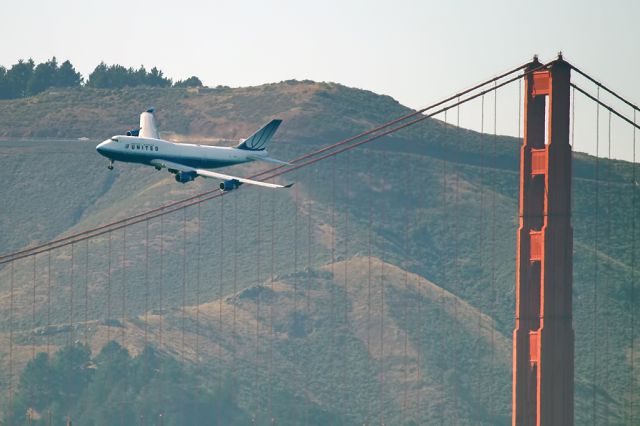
(543, 339)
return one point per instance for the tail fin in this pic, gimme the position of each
(260, 139)
(148, 127)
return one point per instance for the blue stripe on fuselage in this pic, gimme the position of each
(195, 162)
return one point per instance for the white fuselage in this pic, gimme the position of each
(133, 149)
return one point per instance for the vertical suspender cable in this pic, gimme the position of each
(33, 314)
(198, 254)
(447, 349)
(405, 307)
(456, 273)
(48, 304)
(146, 300)
(70, 334)
(634, 205)
(33, 329)
(49, 418)
(573, 117)
(33, 333)
(146, 283)
(220, 297)
(10, 410)
(382, 311)
(184, 298)
(606, 275)
(481, 210)
(123, 332)
(369, 374)
(594, 329)
(33, 319)
(420, 329)
(221, 275)
(161, 281)
(345, 302)
(594, 332)
(307, 359)
(123, 325)
(332, 302)
(271, 280)
(235, 283)
(493, 300)
(296, 201)
(107, 321)
(86, 294)
(258, 296)
(184, 284)
(161, 315)
(333, 213)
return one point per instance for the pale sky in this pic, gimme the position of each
(415, 51)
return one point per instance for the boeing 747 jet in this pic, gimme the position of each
(188, 161)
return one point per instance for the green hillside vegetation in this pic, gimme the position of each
(393, 268)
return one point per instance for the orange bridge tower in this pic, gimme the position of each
(543, 339)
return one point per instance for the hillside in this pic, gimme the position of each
(440, 229)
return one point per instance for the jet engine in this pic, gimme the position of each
(184, 177)
(230, 185)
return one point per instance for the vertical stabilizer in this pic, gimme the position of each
(148, 127)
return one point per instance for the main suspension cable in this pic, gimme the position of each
(597, 100)
(600, 85)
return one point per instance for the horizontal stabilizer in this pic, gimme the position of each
(269, 160)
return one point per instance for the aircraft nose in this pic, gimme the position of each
(102, 147)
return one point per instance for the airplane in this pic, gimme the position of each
(188, 161)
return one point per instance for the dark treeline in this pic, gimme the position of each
(25, 78)
(115, 388)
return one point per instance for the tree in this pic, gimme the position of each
(67, 76)
(72, 372)
(4, 85)
(99, 77)
(156, 78)
(42, 77)
(192, 81)
(141, 75)
(18, 77)
(37, 382)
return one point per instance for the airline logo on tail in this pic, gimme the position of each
(260, 139)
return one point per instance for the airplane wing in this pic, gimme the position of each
(209, 174)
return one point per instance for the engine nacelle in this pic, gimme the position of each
(133, 132)
(184, 177)
(230, 185)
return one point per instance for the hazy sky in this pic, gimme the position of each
(415, 51)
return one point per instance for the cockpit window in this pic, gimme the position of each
(114, 139)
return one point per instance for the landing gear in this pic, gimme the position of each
(110, 166)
